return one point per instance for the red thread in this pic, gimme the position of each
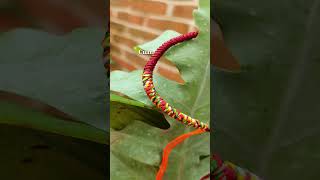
(169, 147)
(149, 67)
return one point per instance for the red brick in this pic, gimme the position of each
(183, 11)
(115, 49)
(142, 34)
(136, 59)
(131, 18)
(122, 63)
(113, 13)
(123, 16)
(170, 73)
(169, 70)
(116, 27)
(120, 3)
(124, 41)
(167, 24)
(147, 6)
(114, 67)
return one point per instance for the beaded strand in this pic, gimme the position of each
(147, 79)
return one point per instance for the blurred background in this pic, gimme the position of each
(56, 16)
(43, 81)
(137, 22)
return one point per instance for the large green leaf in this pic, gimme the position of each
(36, 145)
(21, 111)
(136, 149)
(52, 135)
(267, 117)
(123, 111)
(29, 154)
(63, 71)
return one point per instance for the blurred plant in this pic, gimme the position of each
(268, 114)
(53, 16)
(52, 106)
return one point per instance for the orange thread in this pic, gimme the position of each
(169, 147)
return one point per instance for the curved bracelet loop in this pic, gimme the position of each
(152, 93)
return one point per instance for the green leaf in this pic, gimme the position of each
(267, 117)
(124, 111)
(31, 154)
(60, 132)
(18, 111)
(138, 147)
(36, 145)
(63, 71)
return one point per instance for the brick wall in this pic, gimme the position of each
(134, 22)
